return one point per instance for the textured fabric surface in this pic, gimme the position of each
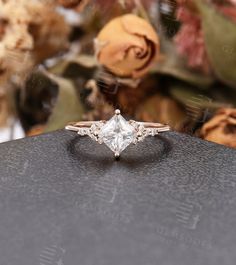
(169, 201)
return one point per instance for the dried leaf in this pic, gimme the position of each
(84, 65)
(187, 95)
(172, 64)
(68, 106)
(220, 39)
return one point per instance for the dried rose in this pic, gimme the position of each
(189, 40)
(127, 46)
(30, 32)
(49, 31)
(221, 128)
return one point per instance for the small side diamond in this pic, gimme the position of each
(95, 130)
(143, 132)
(83, 131)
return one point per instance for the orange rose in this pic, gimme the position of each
(127, 46)
(221, 128)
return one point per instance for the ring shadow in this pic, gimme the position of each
(147, 152)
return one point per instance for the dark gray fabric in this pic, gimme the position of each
(169, 201)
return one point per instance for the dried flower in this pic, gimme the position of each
(227, 7)
(189, 40)
(127, 46)
(229, 11)
(15, 42)
(48, 30)
(221, 128)
(29, 33)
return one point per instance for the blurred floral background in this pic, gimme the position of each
(172, 61)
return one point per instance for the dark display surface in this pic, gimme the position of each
(64, 200)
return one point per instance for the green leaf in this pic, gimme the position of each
(82, 65)
(67, 108)
(175, 66)
(194, 98)
(220, 38)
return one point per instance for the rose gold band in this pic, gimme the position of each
(76, 126)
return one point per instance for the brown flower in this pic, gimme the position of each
(221, 128)
(190, 40)
(29, 33)
(48, 30)
(127, 46)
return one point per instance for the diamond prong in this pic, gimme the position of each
(117, 112)
(100, 141)
(117, 155)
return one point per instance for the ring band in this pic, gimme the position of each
(117, 133)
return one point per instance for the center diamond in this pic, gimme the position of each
(117, 134)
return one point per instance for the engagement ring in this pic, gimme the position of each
(117, 133)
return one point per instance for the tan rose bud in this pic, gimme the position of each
(127, 46)
(221, 128)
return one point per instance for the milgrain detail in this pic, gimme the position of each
(52, 255)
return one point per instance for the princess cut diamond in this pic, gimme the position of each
(117, 134)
